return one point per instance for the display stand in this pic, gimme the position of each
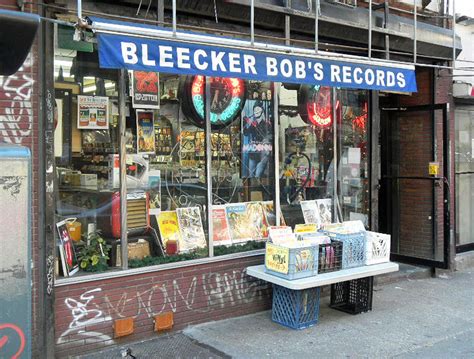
(296, 302)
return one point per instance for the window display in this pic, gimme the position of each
(310, 128)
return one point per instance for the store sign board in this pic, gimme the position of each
(142, 54)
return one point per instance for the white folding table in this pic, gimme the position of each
(296, 302)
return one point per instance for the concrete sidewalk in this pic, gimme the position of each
(422, 318)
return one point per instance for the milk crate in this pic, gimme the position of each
(353, 249)
(330, 257)
(296, 309)
(353, 296)
(291, 263)
(377, 248)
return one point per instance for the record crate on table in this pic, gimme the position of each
(291, 262)
(353, 296)
(296, 309)
(353, 248)
(330, 257)
(377, 248)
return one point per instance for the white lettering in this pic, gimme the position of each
(129, 52)
(300, 71)
(380, 78)
(272, 66)
(357, 75)
(318, 71)
(401, 80)
(166, 56)
(249, 64)
(286, 68)
(369, 77)
(200, 54)
(346, 74)
(234, 62)
(145, 58)
(182, 57)
(390, 79)
(216, 58)
(335, 73)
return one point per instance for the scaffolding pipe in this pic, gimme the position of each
(454, 35)
(370, 29)
(252, 22)
(414, 30)
(79, 10)
(316, 26)
(174, 18)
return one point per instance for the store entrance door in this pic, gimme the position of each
(414, 205)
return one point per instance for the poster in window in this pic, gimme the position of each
(145, 90)
(237, 217)
(325, 210)
(145, 132)
(93, 113)
(192, 231)
(154, 182)
(168, 226)
(257, 130)
(69, 262)
(311, 212)
(257, 220)
(220, 226)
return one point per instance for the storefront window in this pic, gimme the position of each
(242, 118)
(464, 175)
(306, 153)
(353, 158)
(319, 134)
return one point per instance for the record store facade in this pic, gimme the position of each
(178, 140)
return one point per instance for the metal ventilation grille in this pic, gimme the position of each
(136, 213)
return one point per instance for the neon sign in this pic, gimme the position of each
(227, 100)
(319, 106)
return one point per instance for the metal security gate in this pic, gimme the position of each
(414, 205)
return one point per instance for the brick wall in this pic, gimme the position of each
(19, 110)
(85, 312)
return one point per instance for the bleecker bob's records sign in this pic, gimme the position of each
(277, 258)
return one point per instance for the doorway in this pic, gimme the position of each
(414, 204)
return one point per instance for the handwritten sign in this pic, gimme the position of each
(277, 258)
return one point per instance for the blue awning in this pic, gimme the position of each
(130, 46)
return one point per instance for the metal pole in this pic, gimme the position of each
(160, 12)
(334, 155)
(208, 129)
(79, 9)
(123, 170)
(287, 25)
(454, 34)
(174, 18)
(316, 26)
(252, 22)
(370, 29)
(414, 30)
(276, 150)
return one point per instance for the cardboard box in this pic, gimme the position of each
(137, 250)
(89, 180)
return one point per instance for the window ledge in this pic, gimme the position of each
(156, 268)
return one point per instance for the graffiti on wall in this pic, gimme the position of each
(10, 333)
(16, 112)
(220, 290)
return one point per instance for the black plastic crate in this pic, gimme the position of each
(354, 296)
(330, 257)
